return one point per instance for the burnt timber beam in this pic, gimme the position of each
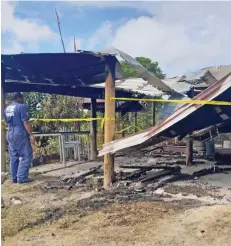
(189, 152)
(150, 167)
(93, 130)
(157, 175)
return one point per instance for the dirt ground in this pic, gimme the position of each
(185, 214)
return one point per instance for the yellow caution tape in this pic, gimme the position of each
(220, 103)
(69, 120)
(102, 123)
(65, 120)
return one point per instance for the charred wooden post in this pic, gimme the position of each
(189, 152)
(135, 116)
(153, 113)
(123, 132)
(3, 130)
(93, 130)
(102, 133)
(109, 127)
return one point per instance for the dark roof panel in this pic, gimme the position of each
(82, 68)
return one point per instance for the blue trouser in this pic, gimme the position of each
(20, 147)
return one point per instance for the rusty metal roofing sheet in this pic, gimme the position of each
(188, 118)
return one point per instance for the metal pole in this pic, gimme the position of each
(3, 133)
(60, 33)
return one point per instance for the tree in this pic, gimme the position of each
(144, 119)
(152, 67)
(33, 101)
(62, 107)
(55, 107)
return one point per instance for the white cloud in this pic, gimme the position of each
(180, 36)
(102, 35)
(22, 32)
(13, 47)
(105, 4)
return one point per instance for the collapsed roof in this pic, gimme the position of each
(74, 69)
(57, 73)
(148, 84)
(83, 74)
(72, 73)
(185, 120)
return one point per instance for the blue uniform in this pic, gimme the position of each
(19, 142)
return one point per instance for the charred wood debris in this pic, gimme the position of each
(151, 176)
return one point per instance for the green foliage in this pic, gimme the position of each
(128, 71)
(60, 107)
(144, 119)
(51, 147)
(152, 67)
(33, 101)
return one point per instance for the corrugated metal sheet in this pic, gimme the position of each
(181, 87)
(143, 72)
(198, 77)
(78, 69)
(219, 72)
(134, 85)
(188, 118)
(198, 81)
(152, 86)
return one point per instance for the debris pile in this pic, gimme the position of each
(70, 181)
(138, 178)
(154, 177)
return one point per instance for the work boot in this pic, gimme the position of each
(14, 181)
(25, 181)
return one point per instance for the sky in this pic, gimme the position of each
(181, 36)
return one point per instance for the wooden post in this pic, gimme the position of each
(123, 132)
(102, 134)
(3, 130)
(189, 152)
(93, 130)
(135, 116)
(109, 127)
(153, 113)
